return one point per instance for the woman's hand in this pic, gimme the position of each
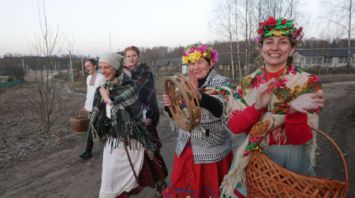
(264, 94)
(148, 121)
(304, 102)
(104, 93)
(167, 100)
(192, 78)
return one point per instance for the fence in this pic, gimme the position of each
(5, 85)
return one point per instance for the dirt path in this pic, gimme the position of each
(54, 170)
(338, 119)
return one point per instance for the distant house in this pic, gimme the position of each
(168, 62)
(327, 57)
(168, 66)
(4, 79)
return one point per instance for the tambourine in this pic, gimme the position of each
(185, 108)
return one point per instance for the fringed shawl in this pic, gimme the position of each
(292, 83)
(143, 76)
(126, 122)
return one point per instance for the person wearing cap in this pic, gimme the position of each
(276, 106)
(93, 81)
(204, 154)
(117, 120)
(154, 171)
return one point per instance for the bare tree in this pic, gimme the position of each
(247, 23)
(48, 90)
(230, 38)
(350, 10)
(235, 19)
(344, 10)
(277, 9)
(70, 48)
(236, 32)
(222, 25)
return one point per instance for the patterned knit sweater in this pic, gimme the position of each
(211, 140)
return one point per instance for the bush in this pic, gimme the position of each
(9, 67)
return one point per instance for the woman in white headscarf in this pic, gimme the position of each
(117, 120)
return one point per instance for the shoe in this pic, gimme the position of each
(86, 155)
(160, 186)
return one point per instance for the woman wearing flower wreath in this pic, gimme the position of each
(278, 101)
(117, 120)
(204, 154)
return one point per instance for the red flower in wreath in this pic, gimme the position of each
(261, 31)
(299, 31)
(283, 21)
(271, 21)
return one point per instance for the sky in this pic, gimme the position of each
(91, 27)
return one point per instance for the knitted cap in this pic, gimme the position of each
(113, 59)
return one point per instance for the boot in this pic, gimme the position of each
(87, 154)
(89, 145)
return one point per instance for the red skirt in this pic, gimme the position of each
(196, 180)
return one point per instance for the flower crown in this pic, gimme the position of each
(280, 27)
(194, 52)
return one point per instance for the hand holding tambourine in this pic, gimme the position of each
(182, 98)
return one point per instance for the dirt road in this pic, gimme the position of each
(33, 165)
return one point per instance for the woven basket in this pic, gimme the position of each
(185, 108)
(79, 123)
(267, 179)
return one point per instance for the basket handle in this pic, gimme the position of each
(338, 150)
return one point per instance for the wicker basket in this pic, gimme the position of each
(185, 108)
(79, 123)
(267, 179)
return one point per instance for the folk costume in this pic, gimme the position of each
(120, 127)
(154, 170)
(92, 83)
(204, 154)
(286, 138)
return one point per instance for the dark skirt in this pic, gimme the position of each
(154, 170)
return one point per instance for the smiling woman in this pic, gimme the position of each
(276, 106)
(275, 52)
(117, 120)
(204, 153)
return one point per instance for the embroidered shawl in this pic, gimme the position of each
(292, 83)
